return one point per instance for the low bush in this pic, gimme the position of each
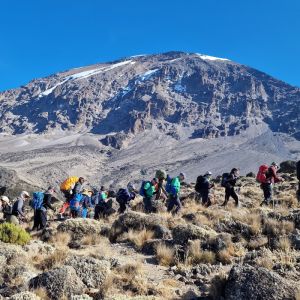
(14, 234)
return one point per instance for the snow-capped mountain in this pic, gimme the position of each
(173, 91)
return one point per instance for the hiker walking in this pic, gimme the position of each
(18, 215)
(69, 188)
(99, 202)
(124, 196)
(203, 187)
(85, 203)
(6, 208)
(41, 202)
(148, 191)
(173, 189)
(161, 193)
(267, 179)
(229, 181)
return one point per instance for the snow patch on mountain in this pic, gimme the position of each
(207, 57)
(84, 75)
(147, 74)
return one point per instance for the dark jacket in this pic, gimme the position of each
(86, 201)
(18, 208)
(231, 180)
(47, 201)
(7, 211)
(77, 188)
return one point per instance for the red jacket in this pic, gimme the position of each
(272, 175)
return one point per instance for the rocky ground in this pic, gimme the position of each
(250, 252)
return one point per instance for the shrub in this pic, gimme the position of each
(165, 255)
(14, 234)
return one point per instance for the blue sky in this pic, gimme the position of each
(41, 37)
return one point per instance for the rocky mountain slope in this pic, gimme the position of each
(176, 110)
(215, 97)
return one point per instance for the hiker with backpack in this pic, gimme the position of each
(267, 177)
(161, 175)
(99, 200)
(203, 187)
(173, 189)
(6, 208)
(69, 188)
(148, 191)
(86, 203)
(76, 205)
(124, 196)
(18, 214)
(228, 182)
(40, 203)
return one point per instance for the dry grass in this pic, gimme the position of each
(165, 255)
(138, 238)
(130, 279)
(224, 257)
(257, 243)
(254, 222)
(60, 239)
(51, 261)
(195, 255)
(284, 244)
(265, 262)
(91, 240)
(42, 293)
(287, 258)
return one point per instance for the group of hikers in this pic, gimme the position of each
(92, 203)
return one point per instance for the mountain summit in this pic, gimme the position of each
(177, 93)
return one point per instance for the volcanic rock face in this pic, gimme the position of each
(215, 97)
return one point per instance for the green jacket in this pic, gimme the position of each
(175, 186)
(149, 189)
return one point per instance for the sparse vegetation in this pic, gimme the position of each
(14, 234)
(165, 255)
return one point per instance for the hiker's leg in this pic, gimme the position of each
(171, 203)
(235, 196)
(97, 213)
(178, 204)
(204, 196)
(35, 220)
(268, 193)
(227, 195)
(147, 205)
(43, 218)
(84, 213)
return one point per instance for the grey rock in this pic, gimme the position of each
(139, 221)
(91, 271)
(246, 282)
(59, 282)
(182, 233)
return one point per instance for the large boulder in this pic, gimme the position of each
(248, 283)
(59, 282)
(288, 166)
(138, 221)
(93, 272)
(183, 233)
(80, 227)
